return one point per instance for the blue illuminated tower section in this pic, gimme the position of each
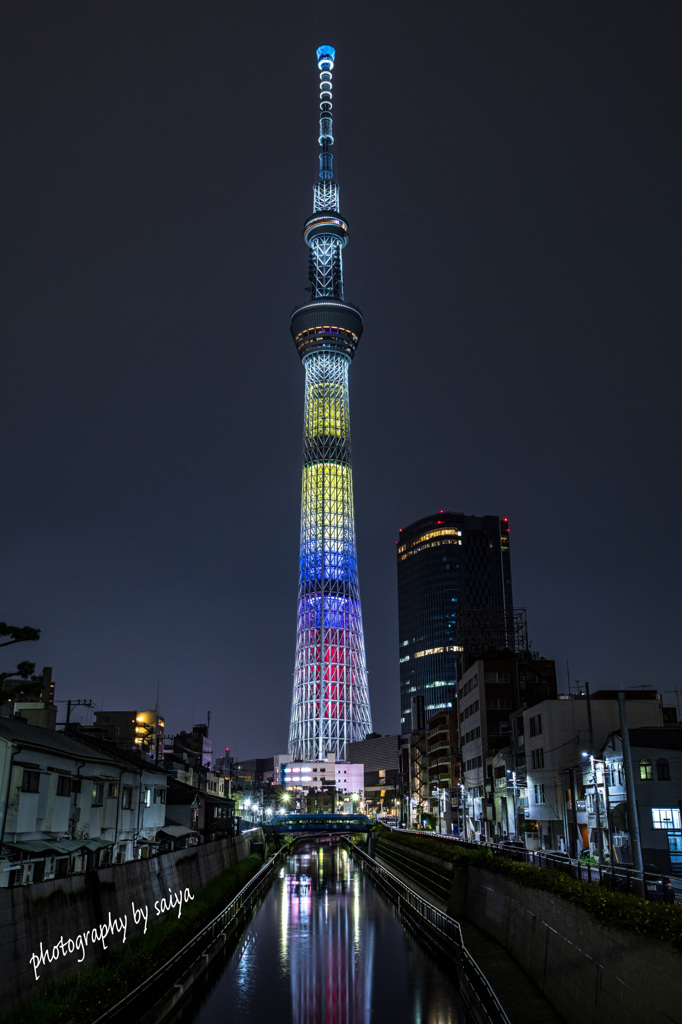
(330, 705)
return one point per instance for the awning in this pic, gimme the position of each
(175, 831)
(58, 846)
(33, 846)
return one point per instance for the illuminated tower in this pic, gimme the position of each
(330, 705)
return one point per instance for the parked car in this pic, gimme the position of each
(656, 885)
(511, 848)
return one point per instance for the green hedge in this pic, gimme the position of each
(81, 998)
(615, 909)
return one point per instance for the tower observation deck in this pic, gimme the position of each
(330, 705)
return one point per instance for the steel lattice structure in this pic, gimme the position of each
(330, 705)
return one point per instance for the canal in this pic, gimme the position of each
(325, 948)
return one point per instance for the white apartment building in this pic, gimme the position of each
(66, 806)
(553, 739)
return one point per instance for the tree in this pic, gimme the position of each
(21, 682)
(18, 634)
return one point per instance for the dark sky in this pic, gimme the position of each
(511, 173)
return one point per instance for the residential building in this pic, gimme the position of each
(131, 730)
(194, 747)
(552, 746)
(198, 810)
(382, 786)
(490, 691)
(442, 743)
(66, 806)
(656, 754)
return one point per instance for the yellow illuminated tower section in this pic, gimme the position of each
(330, 705)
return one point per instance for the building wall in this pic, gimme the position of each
(67, 907)
(378, 754)
(589, 973)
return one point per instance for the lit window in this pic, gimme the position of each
(539, 793)
(665, 817)
(645, 772)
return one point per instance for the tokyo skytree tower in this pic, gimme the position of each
(330, 705)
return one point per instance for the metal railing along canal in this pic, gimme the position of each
(440, 926)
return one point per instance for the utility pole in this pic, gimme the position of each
(633, 820)
(600, 843)
(73, 704)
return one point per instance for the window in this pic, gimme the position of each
(498, 703)
(147, 796)
(63, 785)
(662, 770)
(30, 782)
(665, 817)
(497, 677)
(113, 790)
(538, 758)
(539, 793)
(535, 724)
(159, 796)
(127, 798)
(645, 772)
(98, 794)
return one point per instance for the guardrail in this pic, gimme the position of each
(447, 929)
(650, 885)
(159, 986)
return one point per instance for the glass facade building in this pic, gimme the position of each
(454, 591)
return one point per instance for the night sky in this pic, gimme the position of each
(511, 174)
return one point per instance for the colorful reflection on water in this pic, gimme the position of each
(324, 948)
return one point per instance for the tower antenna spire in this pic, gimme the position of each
(325, 62)
(330, 704)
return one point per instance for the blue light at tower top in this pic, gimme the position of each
(325, 57)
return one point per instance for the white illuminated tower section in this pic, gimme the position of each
(330, 705)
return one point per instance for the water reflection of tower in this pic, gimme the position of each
(331, 975)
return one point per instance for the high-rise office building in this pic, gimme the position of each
(330, 705)
(454, 591)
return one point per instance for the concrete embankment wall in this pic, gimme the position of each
(68, 907)
(589, 973)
